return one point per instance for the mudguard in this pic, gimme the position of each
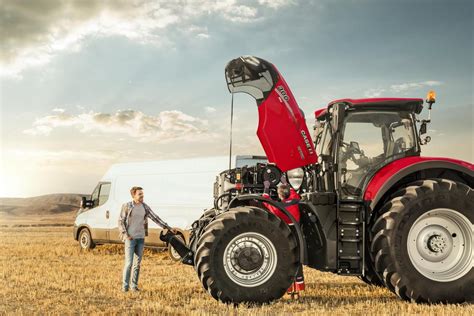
(390, 174)
(282, 129)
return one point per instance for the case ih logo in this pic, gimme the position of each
(283, 93)
(306, 141)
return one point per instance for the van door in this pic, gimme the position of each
(98, 219)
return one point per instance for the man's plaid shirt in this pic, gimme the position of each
(125, 215)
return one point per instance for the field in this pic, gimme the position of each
(43, 271)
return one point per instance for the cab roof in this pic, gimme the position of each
(404, 104)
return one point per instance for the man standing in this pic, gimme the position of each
(290, 198)
(133, 228)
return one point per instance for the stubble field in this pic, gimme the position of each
(43, 271)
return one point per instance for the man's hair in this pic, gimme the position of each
(135, 189)
(284, 190)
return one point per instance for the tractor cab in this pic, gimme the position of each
(355, 138)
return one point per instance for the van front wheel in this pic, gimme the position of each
(174, 255)
(85, 240)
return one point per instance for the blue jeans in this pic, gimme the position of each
(134, 246)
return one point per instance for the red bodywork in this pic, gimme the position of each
(320, 113)
(282, 129)
(292, 209)
(374, 100)
(390, 170)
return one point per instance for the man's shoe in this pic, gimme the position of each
(124, 290)
(135, 289)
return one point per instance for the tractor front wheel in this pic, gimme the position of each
(423, 242)
(246, 255)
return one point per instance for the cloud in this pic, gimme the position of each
(210, 109)
(275, 4)
(374, 93)
(414, 85)
(34, 32)
(166, 126)
(400, 88)
(203, 35)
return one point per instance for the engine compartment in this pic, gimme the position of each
(244, 180)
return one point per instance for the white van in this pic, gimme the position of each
(176, 190)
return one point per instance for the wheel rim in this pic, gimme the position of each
(173, 251)
(440, 245)
(84, 240)
(250, 259)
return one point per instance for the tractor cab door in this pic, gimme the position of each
(282, 129)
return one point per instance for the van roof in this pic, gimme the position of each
(185, 165)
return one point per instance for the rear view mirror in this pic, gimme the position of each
(337, 115)
(85, 203)
(423, 128)
(355, 145)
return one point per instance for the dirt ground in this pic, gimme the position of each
(43, 271)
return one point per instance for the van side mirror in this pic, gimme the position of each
(85, 203)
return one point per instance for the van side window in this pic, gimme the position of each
(104, 193)
(95, 196)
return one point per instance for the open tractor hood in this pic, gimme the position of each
(282, 128)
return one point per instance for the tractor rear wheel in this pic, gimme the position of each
(423, 242)
(246, 255)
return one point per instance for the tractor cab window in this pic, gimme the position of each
(325, 141)
(318, 135)
(370, 140)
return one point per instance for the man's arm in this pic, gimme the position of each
(157, 219)
(121, 221)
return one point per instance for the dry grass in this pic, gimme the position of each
(43, 271)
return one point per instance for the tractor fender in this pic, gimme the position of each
(382, 181)
(301, 241)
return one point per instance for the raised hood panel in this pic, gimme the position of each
(282, 129)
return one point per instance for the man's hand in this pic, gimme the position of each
(174, 231)
(129, 237)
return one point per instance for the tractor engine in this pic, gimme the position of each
(243, 180)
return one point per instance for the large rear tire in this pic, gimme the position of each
(423, 242)
(246, 255)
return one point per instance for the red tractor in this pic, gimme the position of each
(370, 205)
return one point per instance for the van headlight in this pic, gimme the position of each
(295, 177)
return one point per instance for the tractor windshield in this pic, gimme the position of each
(370, 140)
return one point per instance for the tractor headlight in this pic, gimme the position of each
(295, 177)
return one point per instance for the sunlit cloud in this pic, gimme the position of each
(400, 88)
(210, 109)
(414, 85)
(33, 33)
(165, 126)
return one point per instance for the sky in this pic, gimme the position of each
(85, 84)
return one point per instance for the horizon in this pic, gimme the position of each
(90, 84)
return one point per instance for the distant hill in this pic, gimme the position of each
(41, 205)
